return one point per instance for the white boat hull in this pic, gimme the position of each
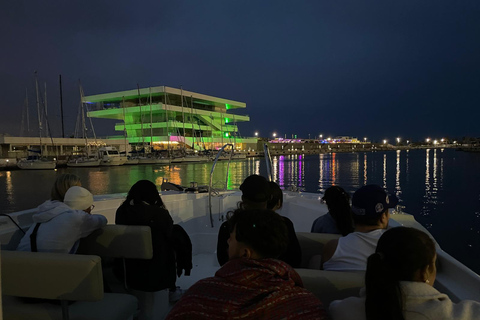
(36, 165)
(113, 161)
(132, 161)
(83, 163)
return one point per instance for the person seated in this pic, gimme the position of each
(370, 206)
(256, 193)
(172, 248)
(399, 283)
(338, 219)
(58, 226)
(253, 284)
(293, 254)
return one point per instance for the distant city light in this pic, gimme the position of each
(256, 134)
(435, 142)
(274, 134)
(321, 136)
(398, 140)
(428, 140)
(365, 139)
(442, 140)
(384, 141)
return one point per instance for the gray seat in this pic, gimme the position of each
(61, 277)
(325, 285)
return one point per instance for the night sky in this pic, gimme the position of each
(376, 69)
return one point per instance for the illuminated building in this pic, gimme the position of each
(164, 117)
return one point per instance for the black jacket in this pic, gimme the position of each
(160, 272)
(292, 256)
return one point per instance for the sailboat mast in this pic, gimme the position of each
(166, 118)
(124, 125)
(141, 118)
(192, 123)
(61, 104)
(38, 112)
(151, 120)
(183, 121)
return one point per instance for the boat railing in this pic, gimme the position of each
(210, 186)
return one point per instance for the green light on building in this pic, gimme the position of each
(226, 120)
(227, 106)
(226, 134)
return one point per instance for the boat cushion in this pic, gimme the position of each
(312, 247)
(59, 276)
(332, 285)
(119, 241)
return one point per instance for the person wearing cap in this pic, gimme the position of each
(256, 194)
(58, 226)
(370, 206)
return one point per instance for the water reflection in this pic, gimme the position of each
(421, 177)
(365, 169)
(321, 186)
(398, 190)
(384, 171)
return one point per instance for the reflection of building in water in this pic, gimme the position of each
(384, 171)
(164, 117)
(281, 171)
(398, 190)
(321, 185)
(365, 166)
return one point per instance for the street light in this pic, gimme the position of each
(321, 136)
(398, 140)
(428, 140)
(274, 134)
(365, 139)
(256, 133)
(384, 141)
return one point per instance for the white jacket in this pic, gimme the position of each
(61, 227)
(422, 302)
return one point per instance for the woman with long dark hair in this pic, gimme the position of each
(399, 283)
(172, 249)
(338, 220)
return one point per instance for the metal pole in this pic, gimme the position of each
(61, 105)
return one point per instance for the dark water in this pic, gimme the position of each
(441, 188)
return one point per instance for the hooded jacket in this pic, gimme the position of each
(249, 289)
(60, 227)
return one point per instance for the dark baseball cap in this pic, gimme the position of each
(256, 188)
(372, 200)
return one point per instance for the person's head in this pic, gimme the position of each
(276, 200)
(144, 191)
(255, 192)
(338, 203)
(79, 198)
(402, 254)
(62, 184)
(256, 234)
(370, 206)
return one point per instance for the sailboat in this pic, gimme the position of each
(35, 160)
(83, 158)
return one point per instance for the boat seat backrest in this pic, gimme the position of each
(10, 240)
(52, 275)
(61, 277)
(119, 241)
(332, 285)
(312, 247)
